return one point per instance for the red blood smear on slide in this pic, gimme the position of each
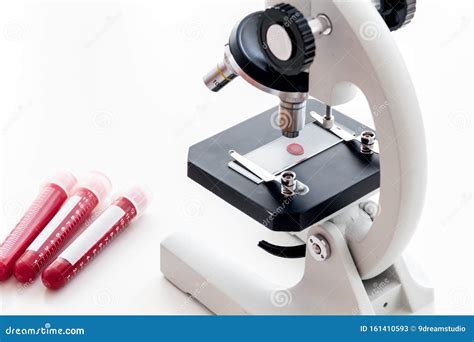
(295, 149)
(45, 206)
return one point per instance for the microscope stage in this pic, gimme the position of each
(283, 154)
(336, 173)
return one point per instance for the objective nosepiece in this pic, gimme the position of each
(219, 77)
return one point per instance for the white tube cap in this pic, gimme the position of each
(64, 179)
(139, 198)
(98, 183)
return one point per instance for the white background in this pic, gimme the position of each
(117, 88)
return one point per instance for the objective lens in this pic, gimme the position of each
(219, 77)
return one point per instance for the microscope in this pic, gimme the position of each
(313, 170)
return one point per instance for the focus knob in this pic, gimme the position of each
(396, 13)
(287, 39)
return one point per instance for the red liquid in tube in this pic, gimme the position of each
(64, 226)
(94, 239)
(41, 211)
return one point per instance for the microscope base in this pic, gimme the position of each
(330, 287)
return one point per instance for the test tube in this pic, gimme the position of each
(95, 238)
(62, 229)
(48, 202)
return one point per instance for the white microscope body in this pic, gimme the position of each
(359, 267)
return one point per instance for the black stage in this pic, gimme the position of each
(336, 177)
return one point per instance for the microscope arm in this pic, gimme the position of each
(361, 51)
